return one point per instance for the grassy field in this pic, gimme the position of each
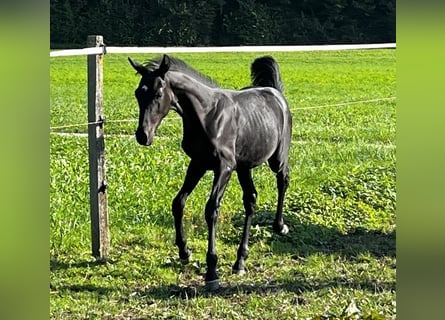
(338, 260)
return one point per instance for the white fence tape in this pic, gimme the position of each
(101, 50)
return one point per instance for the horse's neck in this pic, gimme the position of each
(191, 93)
(195, 101)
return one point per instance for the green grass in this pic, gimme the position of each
(340, 205)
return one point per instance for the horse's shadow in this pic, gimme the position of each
(297, 285)
(302, 240)
(306, 239)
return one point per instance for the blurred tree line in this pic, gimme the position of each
(222, 22)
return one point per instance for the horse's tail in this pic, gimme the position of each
(265, 72)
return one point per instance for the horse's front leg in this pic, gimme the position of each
(222, 176)
(194, 174)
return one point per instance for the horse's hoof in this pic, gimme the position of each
(238, 271)
(284, 230)
(186, 260)
(212, 285)
(281, 229)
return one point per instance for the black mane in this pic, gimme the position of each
(180, 66)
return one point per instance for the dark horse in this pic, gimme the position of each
(223, 130)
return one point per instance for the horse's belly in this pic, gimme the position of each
(256, 149)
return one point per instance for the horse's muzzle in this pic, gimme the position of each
(143, 138)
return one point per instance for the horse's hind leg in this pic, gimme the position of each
(282, 184)
(282, 173)
(249, 200)
(194, 174)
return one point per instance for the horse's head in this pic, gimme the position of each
(154, 97)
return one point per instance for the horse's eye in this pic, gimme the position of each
(141, 90)
(159, 93)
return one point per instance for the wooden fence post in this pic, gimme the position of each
(100, 239)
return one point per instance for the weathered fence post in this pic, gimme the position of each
(96, 149)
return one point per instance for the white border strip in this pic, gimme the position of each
(101, 50)
(77, 52)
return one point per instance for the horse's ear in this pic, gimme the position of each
(165, 65)
(138, 67)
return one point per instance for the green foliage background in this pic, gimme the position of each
(222, 22)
